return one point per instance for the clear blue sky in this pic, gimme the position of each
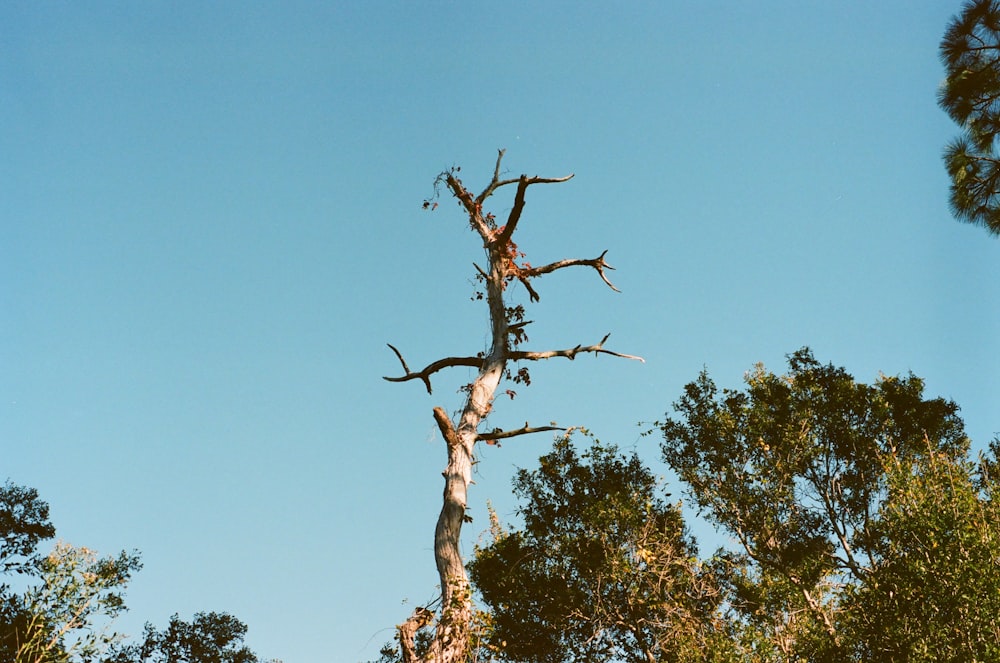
(210, 226)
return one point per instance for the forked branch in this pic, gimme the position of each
(496, 183)
(431, 369)
(523, 183)
(599, 263)
(571, 353)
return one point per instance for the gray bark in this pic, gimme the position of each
(451, 642)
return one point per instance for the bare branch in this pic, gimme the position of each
(497, 434)
(495, 183)
(496, 169)
(523, 183)
(430, 369)
(400, 357)
(515, 212)
(526, 282)
(518, 355)
(598, 263)
(473, 207)
(550, 180)
(488, 191)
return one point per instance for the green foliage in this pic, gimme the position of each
(970, 52)
(73, 605)
(73, 595)
(209, 638)
(835, 489)
(24, 522)
(934, 591)
(863, 530)
(603, 569)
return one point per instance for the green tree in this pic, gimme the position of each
(24, 523)
(934, 590)
(826, 482)
(209, 638)
(72, 597)
(603, 569)
(73, 605)
(970, 52)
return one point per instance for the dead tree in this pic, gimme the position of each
(504, 265)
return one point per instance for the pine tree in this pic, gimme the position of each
(970, 52)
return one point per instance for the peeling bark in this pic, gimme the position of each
(451, 640)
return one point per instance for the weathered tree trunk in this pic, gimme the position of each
(451, 642)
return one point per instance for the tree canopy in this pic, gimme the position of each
(863, 530)
(72, 596)
(208, 638)
(821, 479)
(603, 568)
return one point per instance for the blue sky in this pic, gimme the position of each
(211, 226)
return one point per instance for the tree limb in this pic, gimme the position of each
(495, 183)
(526, 282)
(523, 183)
(473, 207)
(430, 369)
(518, 355)
(598, 263)
(497, 434)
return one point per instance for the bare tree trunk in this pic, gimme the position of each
(451, 642)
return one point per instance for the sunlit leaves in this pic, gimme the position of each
(602, 569)
(798, 468)
(72, 607)
(73, 595)
(934, 591)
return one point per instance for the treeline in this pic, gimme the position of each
(862, 530)
(70, 597)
